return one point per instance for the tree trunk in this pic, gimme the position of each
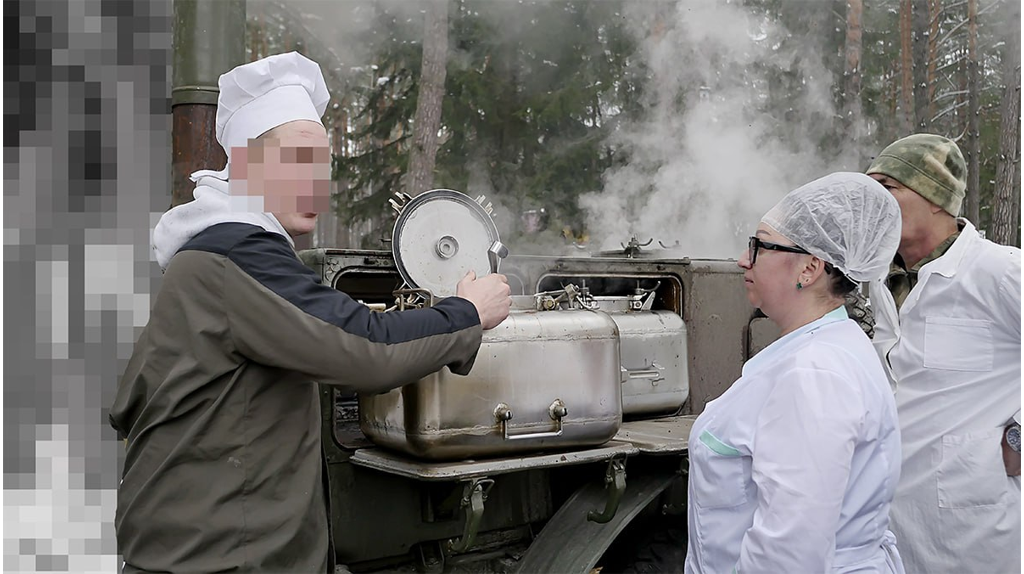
(922, 30)
(427, 120)
(1006, 204)
(265, 51)
(958, 120)
(906, 68)
(851, 76)
(973, 142)
(934, 11)
(889, 131)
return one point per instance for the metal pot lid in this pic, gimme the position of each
(439, 236)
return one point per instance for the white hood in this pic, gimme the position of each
(212, 205)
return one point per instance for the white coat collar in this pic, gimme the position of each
(771, 352)
(949, 262)
(946, 265)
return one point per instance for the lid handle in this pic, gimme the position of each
(495, 254)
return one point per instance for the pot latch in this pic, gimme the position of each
(474, 495)
(614, 487)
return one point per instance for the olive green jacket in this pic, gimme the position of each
(224, 469)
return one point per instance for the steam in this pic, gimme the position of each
(332, 29)
(712, 151)
(709, 158)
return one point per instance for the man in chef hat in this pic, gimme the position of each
(218, 406)
(278, 170)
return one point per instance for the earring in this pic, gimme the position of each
(799, 285)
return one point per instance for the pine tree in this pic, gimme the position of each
(524, 116)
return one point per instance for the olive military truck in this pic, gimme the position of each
(564, 450)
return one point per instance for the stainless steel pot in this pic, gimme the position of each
(541, 380)
(653, 353)
(654, 361)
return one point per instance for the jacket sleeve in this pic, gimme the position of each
(886, 315)
(280, 315)
(1010, 307)
(803, 451)
(1009, 295)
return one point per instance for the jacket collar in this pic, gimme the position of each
(946, 265)
(950, 261)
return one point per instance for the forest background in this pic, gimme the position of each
(588, 123)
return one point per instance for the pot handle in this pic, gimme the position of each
(557, 410)
(655, 373)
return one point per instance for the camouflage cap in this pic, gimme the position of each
(930, 165)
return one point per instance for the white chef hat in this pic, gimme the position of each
(264, 94)
(847, 219)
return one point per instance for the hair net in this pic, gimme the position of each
(846, 219)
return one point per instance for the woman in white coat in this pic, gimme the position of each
(794, 467)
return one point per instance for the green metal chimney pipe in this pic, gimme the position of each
(209, 40)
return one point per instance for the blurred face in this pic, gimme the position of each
(916, 211)
(772, 277)
(287, 172)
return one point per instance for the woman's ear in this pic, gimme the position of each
(813, 269)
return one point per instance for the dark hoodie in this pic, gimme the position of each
(219, 406)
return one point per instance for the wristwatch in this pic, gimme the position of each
(1013, 437)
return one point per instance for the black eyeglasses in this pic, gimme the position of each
(756, 245)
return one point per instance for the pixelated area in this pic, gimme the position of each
(280, 176)
(86, 173)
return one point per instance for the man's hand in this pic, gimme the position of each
(1011, 458)
(490, 296)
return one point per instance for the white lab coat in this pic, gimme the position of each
(953, 352)
(793, 468)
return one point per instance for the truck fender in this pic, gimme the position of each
(570, 543)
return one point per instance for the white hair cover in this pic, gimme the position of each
(846, 219)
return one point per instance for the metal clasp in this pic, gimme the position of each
(637, 301)
(614, 486)
(571, 295)
(474, 495)
(413, 298)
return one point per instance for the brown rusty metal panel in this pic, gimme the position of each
(762, 333)
(717, 314)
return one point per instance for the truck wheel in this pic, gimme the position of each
(858, 309)
(650, 545)
(664, 551)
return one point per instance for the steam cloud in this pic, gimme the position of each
(703, 173)
(709, 157)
